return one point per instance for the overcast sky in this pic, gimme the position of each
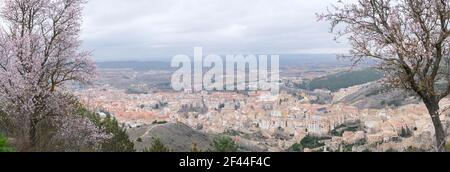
(149, 29)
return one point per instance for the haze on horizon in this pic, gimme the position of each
(149, 29)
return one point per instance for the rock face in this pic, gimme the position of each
(177, 137)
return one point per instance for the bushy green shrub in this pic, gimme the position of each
(297, 147)
(157, 146)
(120, 142)
(312, 142)
(159, 122)
(339, 131)
(4, 146)
(349, 147)
(225, 144)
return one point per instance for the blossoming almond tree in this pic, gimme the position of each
(39, 53)
(410, 41)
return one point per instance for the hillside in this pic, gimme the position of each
(341, 80)
(135, 65)
(177, 137)
(374, 95)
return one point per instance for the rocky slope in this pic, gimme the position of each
(177, 137)
(374, 95)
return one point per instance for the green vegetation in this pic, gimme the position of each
(48, 140)
(310, 142)
(297, 147)
(349, 147)
(225, 144)
(343, 80)
(159, 122)
(157, 146)
(233, 133)
(237, 133)
(4, 146)
(119, 142)
(338, 131)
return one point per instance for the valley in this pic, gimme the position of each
(258, 121)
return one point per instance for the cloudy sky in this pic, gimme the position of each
(151, 29)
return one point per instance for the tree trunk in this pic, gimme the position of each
(32, 137)
(433, 109)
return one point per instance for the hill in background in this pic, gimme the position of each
(341, 80)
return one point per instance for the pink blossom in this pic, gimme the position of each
(39, 53)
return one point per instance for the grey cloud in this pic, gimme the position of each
(145, 29)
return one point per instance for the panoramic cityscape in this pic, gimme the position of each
(224, 76)
(358, 115)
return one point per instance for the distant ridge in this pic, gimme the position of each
(286, 61)
(136, 65)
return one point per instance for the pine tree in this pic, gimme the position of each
(120, 142)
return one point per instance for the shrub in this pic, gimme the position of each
(195, 148)
(4, 147)
(64, 129)
(159, 122)
(339, 131)
(119, 142)
(157, 146)
(225, 144)
(74, 132)
(347, 147)
(312, 142)
(297, 147)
